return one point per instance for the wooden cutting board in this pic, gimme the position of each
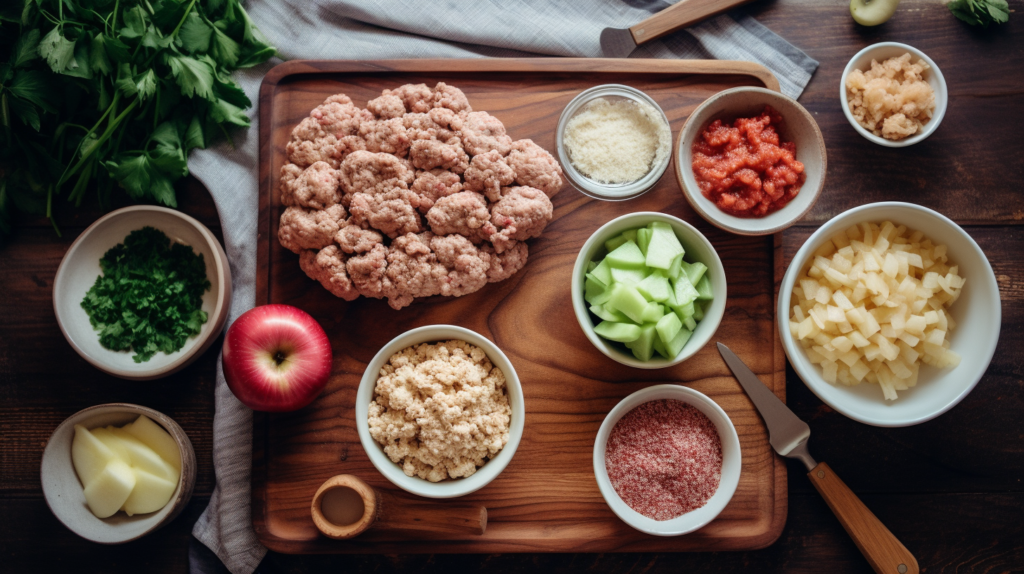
(547, 499)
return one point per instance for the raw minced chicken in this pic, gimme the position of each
(417, 195)
(892, 99)
(440, 410)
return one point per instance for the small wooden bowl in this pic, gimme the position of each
(64, 492)
(800, 128)
(81, 266)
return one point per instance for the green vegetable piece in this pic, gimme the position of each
(654, 287)
(603, 272)
(628, 276)
(980, 12)
(695, 272)
(689, 323)
(626, 256)
(704, 291)
(627, 300)
(593, 287)
(667, 327)
(643, 239)
(591, 266)
(684, 291)
(643, 346)
(698, 311)
(659, 347)
(678, 342)
(150, 295)
(686, 311)
(621, 332)
(872, 12)
(664, 246)
(630, 235)
(607, 314)
(652, 313)
(676, 268)
(614, 243)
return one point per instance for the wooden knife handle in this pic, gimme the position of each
(680, 14)
(884, 552)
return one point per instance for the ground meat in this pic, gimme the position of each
(467, 266)
(387, 106)
(428, 154)
(413, 270)
(386, 136)
(310, 228)
(522, 213)
(482, 132)
(464, 213)
(450, 97)
(354, 239)
(367, 271)
(488, 173)
(289, 173)
(421, 127)
(367, 172)
(316, 188)
(392, 212)
(506, 264)
(328, 267)
(434, 184)
(340, 119)
(535, 167)
(418, 98)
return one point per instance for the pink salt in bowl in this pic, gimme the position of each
(730, 472)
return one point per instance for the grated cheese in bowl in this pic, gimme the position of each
(617, 141)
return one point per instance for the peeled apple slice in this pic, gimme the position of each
(155, 437)
(108, 491)
(113, 443)
(144, 458)
(151, 493)
(89, 455)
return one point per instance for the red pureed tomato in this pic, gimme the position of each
(744, 168)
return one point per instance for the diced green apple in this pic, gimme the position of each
(678, 342)
(684, 291)
(643, 239)
(653, 313)
(703, 287)
(626, 256)
(695, 272)
(592, 287)
(668, 326)
(643, 346)
(621, 332)
(603, 272)
(628, 276)
(613, 243)
(626, 299)
(607, 314)
(664, 246)
(654, 287)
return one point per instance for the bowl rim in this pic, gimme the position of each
(218, 314)
(941, 103)
(589, 187)
(814, 380)
(186, 482)
(733, 460)
(712, 317)
(684, 171)
(451, 488)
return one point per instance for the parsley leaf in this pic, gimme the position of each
(150, 295)
(58, 51)
(194, 76)
(980, 12)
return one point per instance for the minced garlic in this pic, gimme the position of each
(617, 141)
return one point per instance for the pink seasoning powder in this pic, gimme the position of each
(664, 459)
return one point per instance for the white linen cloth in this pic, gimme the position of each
(378, 29)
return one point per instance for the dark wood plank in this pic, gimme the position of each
(547, 500)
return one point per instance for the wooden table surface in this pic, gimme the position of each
(950, 489)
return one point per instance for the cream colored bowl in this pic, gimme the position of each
(81, 266)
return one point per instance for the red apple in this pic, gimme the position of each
(276, 358)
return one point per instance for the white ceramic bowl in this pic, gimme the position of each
(64, 492)
(447, 488)
(81, 266)
(799, 127)
(883, 51)
(732, 462)
(697, 247)
(978, 314)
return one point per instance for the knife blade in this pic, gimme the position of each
(788, 436)
(620, 42)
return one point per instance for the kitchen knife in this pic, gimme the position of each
(620, 42)
(788, 436)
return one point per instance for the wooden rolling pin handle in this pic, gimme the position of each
(404, 513)
(884, 552)
(680, 14)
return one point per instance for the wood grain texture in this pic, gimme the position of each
(681, 14)
(547, 499)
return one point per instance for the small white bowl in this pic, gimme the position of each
(799, 127)
(978, 314)
(447, 488)
(883, 51)
(732, 462)
(81, 266)
(697, 247)
(64, 493)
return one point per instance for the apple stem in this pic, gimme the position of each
(279, 357)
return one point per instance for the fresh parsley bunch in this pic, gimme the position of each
(980, 12)
(95, 93)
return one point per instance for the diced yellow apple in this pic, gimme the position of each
(108, 491)
(151, 493)
(144, 458)
(156, 438)
(89, 455)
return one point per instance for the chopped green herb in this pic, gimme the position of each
(980, 12)
(150, 295)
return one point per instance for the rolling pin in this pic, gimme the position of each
(349, 500)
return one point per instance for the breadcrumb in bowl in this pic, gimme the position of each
(456, 407)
